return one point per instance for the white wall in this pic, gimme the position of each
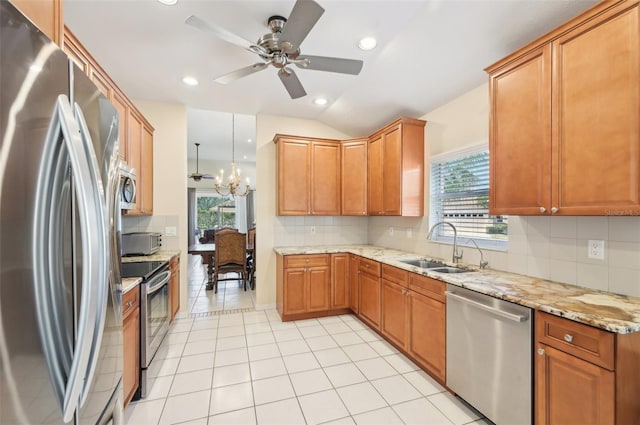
(169, 181)
(552, 248)
(266, 221)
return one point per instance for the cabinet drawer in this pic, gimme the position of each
(316, 260)
(130, 301)
(369, 266)
(395, 274)
(427, 286)
(586, 342)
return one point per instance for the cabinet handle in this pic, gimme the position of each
(541, 351)
(306, 260)
(543, 210)
(554, 210)
(568, 337)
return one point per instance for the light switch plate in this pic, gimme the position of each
(595, 249)
(170, 231)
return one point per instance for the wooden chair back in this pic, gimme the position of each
(251, 237)
(231, 249)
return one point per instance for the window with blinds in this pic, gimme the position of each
(460, 196)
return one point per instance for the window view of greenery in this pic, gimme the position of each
(214, 212)
(460, 195)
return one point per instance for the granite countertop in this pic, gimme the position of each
(604, 310)
(128, 283)
(158, 256)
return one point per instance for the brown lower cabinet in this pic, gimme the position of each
(174, 286)
(131, 343)
(585, 375)
(354, 284)
(302, 285)
(370, 299)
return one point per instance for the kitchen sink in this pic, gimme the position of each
(434, 266)
(424, 264)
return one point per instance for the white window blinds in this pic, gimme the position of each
(460, 195)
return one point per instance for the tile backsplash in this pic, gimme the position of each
(155, 223)
(308, 230)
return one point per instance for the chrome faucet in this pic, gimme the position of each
(457, 256)
(483, 263)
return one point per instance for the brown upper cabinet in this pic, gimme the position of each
(135, 132)
(308, 176)
(396, 169)
(354, 177)
(564, 119)
(46, 15)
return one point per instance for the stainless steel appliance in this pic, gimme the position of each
(127, 187)
(60, 287)
(489, 364)
(141, 243)
(154, 310)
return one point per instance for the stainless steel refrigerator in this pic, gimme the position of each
(60, 286)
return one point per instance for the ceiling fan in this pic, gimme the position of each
(281, 48)
(197, 176)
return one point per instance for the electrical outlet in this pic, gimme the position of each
(170, 231)
(391, 231)
(595, 250)
(409, 233)
(312, 229)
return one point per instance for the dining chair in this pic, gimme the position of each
(251, 257)
(230, 257)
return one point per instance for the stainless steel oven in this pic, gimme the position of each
(154, 310)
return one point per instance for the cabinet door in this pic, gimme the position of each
(174, 286)
(572, 391)
(318, 288)
(325, 178)
(354, 283)
(427, 333)
(596, 162)
(121, 106)
(75, 51)
(340, 285)
(375, 178)
(134, 146)
(146, 174)
(392, 171)
(294, 168)
(101, 82)
(520, 135)
(295, 291)
(354, 178)
(45, 14)
(131, 360)
(394, 313)
(370, 299)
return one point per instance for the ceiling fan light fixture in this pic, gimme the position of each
(190, 81)
(320, 101)
(367, 43)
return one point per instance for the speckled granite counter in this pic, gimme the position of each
(605, 310)
(158, 256)
(128, 283)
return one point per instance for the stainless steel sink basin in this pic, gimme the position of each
(424, 264)
(449, 270)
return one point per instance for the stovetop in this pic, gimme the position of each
(143, 269)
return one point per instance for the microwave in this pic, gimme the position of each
(127, 188)
(141, 243)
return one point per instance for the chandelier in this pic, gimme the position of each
(231, 185)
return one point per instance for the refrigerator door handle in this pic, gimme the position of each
(102, 284)
(89, 194)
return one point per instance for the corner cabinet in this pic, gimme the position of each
(46, 15)
(354, 177)
(308, 173)
(396, 169)
(174, 286)
(564, 119)
(585, 375)
(131, 343)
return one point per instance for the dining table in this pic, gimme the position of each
(207, 251)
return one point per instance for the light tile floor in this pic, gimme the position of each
(249, 367)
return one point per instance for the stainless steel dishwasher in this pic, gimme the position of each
(489, 358)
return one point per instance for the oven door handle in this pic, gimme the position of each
(163, 278)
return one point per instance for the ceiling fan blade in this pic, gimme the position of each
(291, 83)
(242, 72)
(303, 17)
(224, 34)
(329, 64)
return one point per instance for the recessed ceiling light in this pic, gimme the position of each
(244, 157)
(168, 2)
(190, 81)
(320, 101)
(367, 43)
(249, 141)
